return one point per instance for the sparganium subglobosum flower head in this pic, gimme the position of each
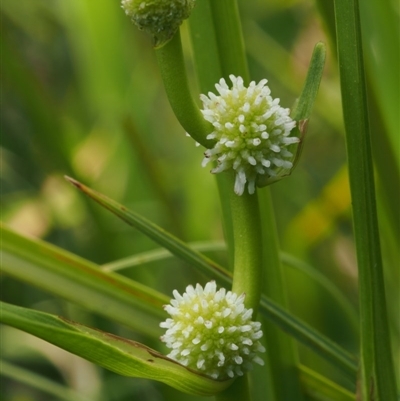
(251, 130)
(159, 18)
(211, 331)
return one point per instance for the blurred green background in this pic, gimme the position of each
(82, 96)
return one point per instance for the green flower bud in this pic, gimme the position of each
(160, 18)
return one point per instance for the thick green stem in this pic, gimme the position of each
(245, 226)
(248, 248)
(282, 351)
(173, 73)
(230, 39)
(377, 373)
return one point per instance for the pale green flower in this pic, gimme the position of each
(251, 132)
(160, 18)
(212, 331)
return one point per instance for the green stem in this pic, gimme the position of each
(282, 348)
(246, 230)
(248, 248)
(172, 68)
(377, 373)
(208, 68)
(230, 39)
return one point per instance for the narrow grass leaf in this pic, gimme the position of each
(308, 336)
(82, 282)
(305, 102)
(120, 355)
(159, 254)
(282, 349)
(38, 382)
(326, 285)
(377, 372)
(156, 233)
(320, 388)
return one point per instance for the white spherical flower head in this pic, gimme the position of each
(252, 132)
(212, 331)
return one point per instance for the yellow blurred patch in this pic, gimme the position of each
(316, 220)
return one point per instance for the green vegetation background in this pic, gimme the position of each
(81, 95)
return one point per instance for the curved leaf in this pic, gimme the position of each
(302, 109)
(120, 355)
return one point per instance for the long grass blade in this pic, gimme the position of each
(320, 388)
(38, 382)
(82, 282)
(377, 373)
(120, 355)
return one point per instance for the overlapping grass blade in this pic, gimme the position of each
(156, 233)
(377, 372)
(39, 382)
(120, 355)
(320, 388)
(78, 280)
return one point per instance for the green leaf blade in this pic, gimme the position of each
(304, 104)
(117, 354)
(156, 233)
(40, 382)
(377, 371)
(82, 282)
(318, 387)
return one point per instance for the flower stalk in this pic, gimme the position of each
(173, 73)
(247, 272)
